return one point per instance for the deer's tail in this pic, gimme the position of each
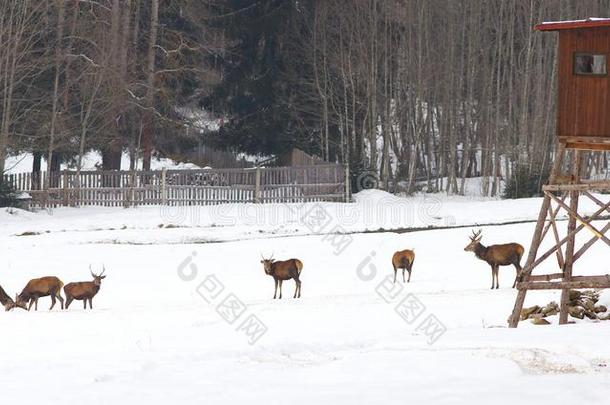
(299, 265)
(61, 286)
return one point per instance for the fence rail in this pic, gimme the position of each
(183, 187)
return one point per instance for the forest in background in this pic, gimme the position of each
(407, 91)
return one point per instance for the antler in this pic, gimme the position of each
(97, 275)
(475, 235)
(270, 257)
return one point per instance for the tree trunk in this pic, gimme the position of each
(58, 63)
(147, 132)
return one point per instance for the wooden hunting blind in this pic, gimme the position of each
(583, 124)
(583, 103)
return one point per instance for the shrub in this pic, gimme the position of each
(8, 196)
(526, 183)
(362, 177)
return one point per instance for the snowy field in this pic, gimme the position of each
(173, 322)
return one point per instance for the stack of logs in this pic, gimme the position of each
(582, 304)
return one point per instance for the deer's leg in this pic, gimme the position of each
(403, 275)
(517, 271)
(52, 300)
(68, 301)
(409, 279)
(497, 280)
(85, 303)
(394, 274)
(275, 290)
(36, 304)
(31, 303)
(91, 303)
(281, 281)
(61, 300)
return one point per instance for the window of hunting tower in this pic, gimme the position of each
(589, 64)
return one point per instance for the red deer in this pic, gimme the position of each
(84, 290)
(40, 287)
(403, 260)
(284, 270)
(496, 256)
(5, 300)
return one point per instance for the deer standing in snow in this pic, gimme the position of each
(403, 260)
(282, 271)
(40, 287)
(84, 290)
(496, 256)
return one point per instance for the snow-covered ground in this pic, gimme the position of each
(473, 186)
(176, 319)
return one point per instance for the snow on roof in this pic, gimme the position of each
(591, 22)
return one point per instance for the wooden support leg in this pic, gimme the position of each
(603, 231)
(559, 254)
(536, 240)
(513, 321)
(569, 261)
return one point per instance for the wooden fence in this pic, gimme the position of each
(184, 187)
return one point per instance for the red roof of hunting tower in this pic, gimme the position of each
(573, 24)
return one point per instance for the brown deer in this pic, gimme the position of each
(84, 290)
(40, 287)
(403, 259)
(5, 300)
(284, 270)
(496, 256)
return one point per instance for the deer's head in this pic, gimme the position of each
(97, 278)
(20, 302)
(267, 264)
(475, 239)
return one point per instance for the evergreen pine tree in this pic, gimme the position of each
(254, 91)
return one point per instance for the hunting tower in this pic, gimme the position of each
(583, 124)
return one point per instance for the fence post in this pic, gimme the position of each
(65, 188)
(347, 184)
(163, 189)
(132, 189)
(257, 186)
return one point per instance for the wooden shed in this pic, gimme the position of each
(583, 103)
(583, 124)
(296, 157)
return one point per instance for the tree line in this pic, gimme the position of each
(106, 75)
(410, 91)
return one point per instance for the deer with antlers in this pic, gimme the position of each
(6, 300)
(496, 256)
(84, 290)
(282, 271)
